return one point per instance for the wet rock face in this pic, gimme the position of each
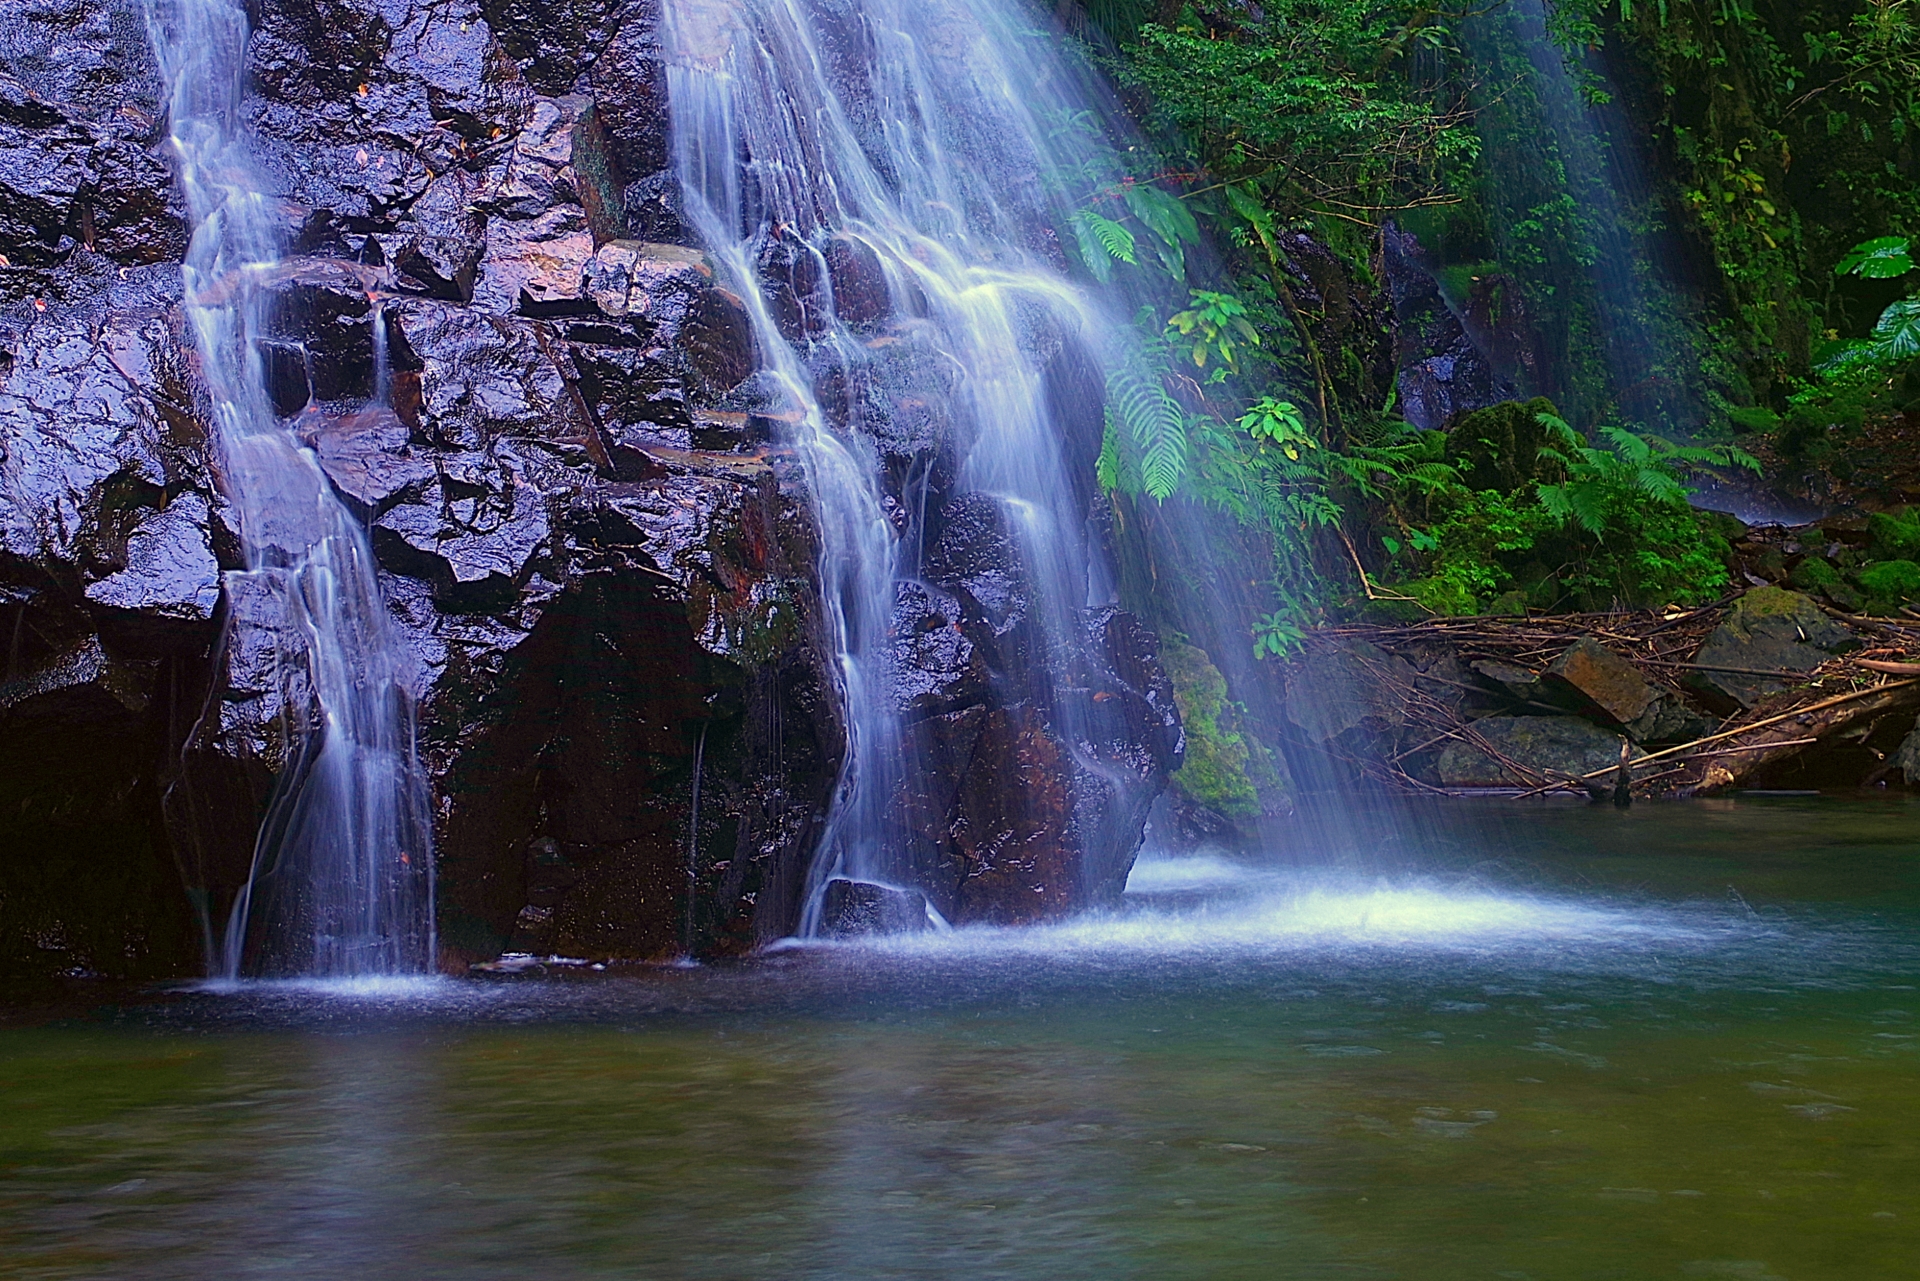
(602, 575)
(1454, 356)
(111, 551)
(80, 167)
(598, 559)
(1029, 798)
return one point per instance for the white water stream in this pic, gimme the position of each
(341, 882)
(935, 142)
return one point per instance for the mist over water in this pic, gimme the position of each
(341, 882)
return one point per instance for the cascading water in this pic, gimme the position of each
(1641, 319)
(341, 882)
(919, 147)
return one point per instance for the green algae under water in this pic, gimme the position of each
(1514, 1042)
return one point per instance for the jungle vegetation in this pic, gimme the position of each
(1759, 185)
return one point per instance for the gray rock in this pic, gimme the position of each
(1603, 680)
(1357, 685)
(851, 909)
(1544, 744)
(1906, 758)
(1767, 630)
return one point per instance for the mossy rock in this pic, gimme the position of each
(1813, 574)
(1216, 773)
(1896, 536)
(1499, 447)
(1770, 629)
(1890, 584)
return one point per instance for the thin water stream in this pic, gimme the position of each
(342, 872)
(1537, 1041)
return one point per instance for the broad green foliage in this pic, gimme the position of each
(1605, 487)
(1304, 100)
(1214, 327)
(1880, 259)
(1896, 335)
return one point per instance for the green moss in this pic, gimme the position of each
(1896, 536)
(1217, 772)
(1746, 418)
(1498, 447)
(1815, 574)
(1890, 584)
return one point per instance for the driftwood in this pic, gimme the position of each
(1839, 696)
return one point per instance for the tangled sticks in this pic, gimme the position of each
(1657, 703)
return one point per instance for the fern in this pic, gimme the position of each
(1139, 401)
(1603, 485)
(1103, 242)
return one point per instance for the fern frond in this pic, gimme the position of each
(1139, 400)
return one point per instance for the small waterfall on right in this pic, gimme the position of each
(342, 876)
(1638, 309)
(883, 181)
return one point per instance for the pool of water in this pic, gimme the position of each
(1487, 1041)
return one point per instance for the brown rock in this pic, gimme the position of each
(1602, 678)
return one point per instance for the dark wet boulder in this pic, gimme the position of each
(933, 662)
(1346, 689)
(1447, 366)
(109, 586)
(851, 909)
(1767, 630)
(1542, 747)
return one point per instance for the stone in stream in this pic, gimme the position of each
(1906, 758)
(854, 908)
(1602, 679)
(1770, 629)
(1546, 745)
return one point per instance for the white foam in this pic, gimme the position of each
(1247, 910)
(381, 987)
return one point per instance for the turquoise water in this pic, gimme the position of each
(1533, 1041)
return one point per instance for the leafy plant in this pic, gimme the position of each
(1604, 485)
(1215, 325)
(1153, 423)
(1882, 259)
(1281, 423)
(1103, 242)
(1277, 635)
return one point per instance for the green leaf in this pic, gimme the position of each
(1110, 238)
(1169, 219)
(1880, 259)
(1898, 332)
(1155, 424)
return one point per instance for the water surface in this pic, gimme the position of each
(1532, 1041)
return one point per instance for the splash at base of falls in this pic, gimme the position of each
(1208, 907)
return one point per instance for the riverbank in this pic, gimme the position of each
(1767, 689)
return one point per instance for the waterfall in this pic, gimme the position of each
(882, 181)
(341, 880)
(1641, 318)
